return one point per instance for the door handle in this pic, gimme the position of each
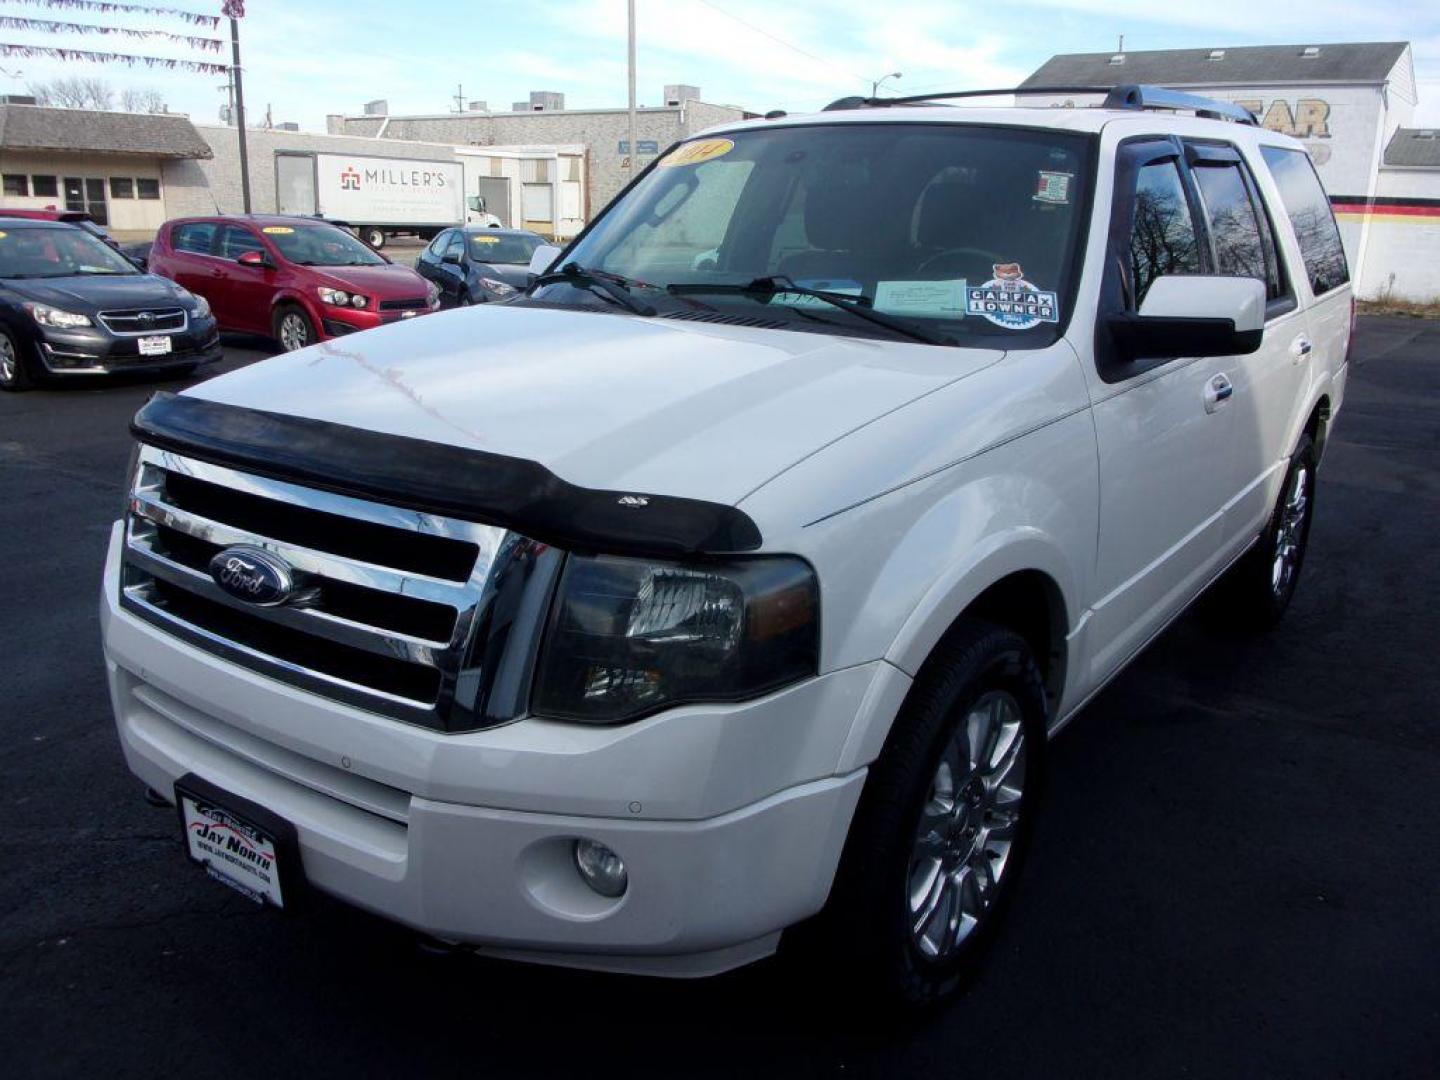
(1299, 349)
(1218, 391)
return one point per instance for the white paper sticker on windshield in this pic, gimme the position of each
(1010, 301)
(938, 299)
(1053, 187)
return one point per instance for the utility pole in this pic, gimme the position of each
(235, 9)
(459, 98)
(634, 146)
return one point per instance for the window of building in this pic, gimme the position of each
(147, 188)
(1242, 248)
(195, 237)
(1309, 212)
(45, 187)
(17, 184)
(122, 187)
(1162, 238)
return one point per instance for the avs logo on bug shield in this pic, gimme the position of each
(253, 575)
(1010, 301)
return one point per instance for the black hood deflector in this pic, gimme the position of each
(437, 478)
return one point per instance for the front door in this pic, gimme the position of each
(87, 195)
(243, 294)
(1163, 426)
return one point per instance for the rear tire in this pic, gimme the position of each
(1256, 592)
(292, 328)
(943, 827)
(374, 237)
(15, 372)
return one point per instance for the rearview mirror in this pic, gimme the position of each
(451, 257)
(543, 258)
(1193, 315)
(253, 258)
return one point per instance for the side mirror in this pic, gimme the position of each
(1193, 315)
(451, 257)
(543, 258)
(253, 258)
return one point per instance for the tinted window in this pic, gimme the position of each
(1234, 231)
(486, 247)
(437, 246)
(17, 184)
(456, 245)
(196, 237)
(1162, 239)
(44, 187)
(122, 187)
(1309, 213)
(147, 188)
(235, 241)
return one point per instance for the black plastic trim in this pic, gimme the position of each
(473, 485)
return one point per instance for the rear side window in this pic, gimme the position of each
(1162, 240)
(196, 237)
(1238, 230)
(1309, 213)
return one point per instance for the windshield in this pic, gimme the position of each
(966, 230)
(486, 247)
(44, 253)
(320, 245)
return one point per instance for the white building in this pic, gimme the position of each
(1351, 104)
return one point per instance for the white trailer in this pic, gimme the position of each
(379, 197)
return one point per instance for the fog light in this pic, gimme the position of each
(602, 869)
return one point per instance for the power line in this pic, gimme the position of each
(781, 41)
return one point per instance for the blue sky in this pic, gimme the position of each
(307, 58)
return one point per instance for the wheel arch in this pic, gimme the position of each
(1317, 425)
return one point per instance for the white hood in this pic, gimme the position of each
(604, 400)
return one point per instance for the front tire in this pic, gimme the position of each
(1257, 591)
(943, 825)
(293, 329)
(14, 366)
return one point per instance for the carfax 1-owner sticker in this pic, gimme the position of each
(1008, 300)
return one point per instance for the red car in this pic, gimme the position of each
(297, 280)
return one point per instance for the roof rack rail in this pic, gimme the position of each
(1129, 96)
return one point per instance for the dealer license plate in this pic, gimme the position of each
(155, 346)
(233, 848)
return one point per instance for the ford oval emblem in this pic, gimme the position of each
(253, 575)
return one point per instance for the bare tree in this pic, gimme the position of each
(141, 100)
(74, 92)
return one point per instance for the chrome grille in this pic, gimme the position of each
(385, 602)
(159, 321)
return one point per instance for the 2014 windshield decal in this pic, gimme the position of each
(1008, 300)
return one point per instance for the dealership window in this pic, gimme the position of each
(147, 188)
(1309, 212)
(122, 187)
(17, 184)
(1162, 238)
(45, 187)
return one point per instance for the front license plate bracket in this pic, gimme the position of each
(240, 843)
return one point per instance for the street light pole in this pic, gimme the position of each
(634, 147)
(875, 86)
(234, 9)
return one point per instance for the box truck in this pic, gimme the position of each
(378, 197)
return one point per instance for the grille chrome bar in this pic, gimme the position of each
(409, 676)
(130, 324)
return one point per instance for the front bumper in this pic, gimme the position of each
(93, 350)
(338, 321)
(730, 819)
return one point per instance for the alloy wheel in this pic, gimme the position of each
(967, 826)
(1290, 531)
(9, 362)
(294, 331)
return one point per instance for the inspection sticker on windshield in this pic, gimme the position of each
(1053, 187)
(1010, 301)
(280, 230)
(485, 239)
(693, 153)
(933, 298)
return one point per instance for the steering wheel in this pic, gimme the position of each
(966, 252)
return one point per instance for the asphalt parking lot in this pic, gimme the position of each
(1236, 873)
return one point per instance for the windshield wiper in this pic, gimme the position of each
(614, 286)
(779, 284)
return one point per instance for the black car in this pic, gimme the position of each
(476, 265)
(70, 305)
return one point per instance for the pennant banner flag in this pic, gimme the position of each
(163, 62)
(104, 7)
(12, 22)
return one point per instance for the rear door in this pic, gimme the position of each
(188, 260)
(1269, 383)
(1163, 426)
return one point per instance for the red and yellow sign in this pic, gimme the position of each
(693, 153)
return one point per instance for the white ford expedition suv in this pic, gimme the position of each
(731, 579)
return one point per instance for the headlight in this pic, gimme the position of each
(432, 293)
(499, 288)
(202, 306)
(629, 636)
(46, 315)
(338, 297)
